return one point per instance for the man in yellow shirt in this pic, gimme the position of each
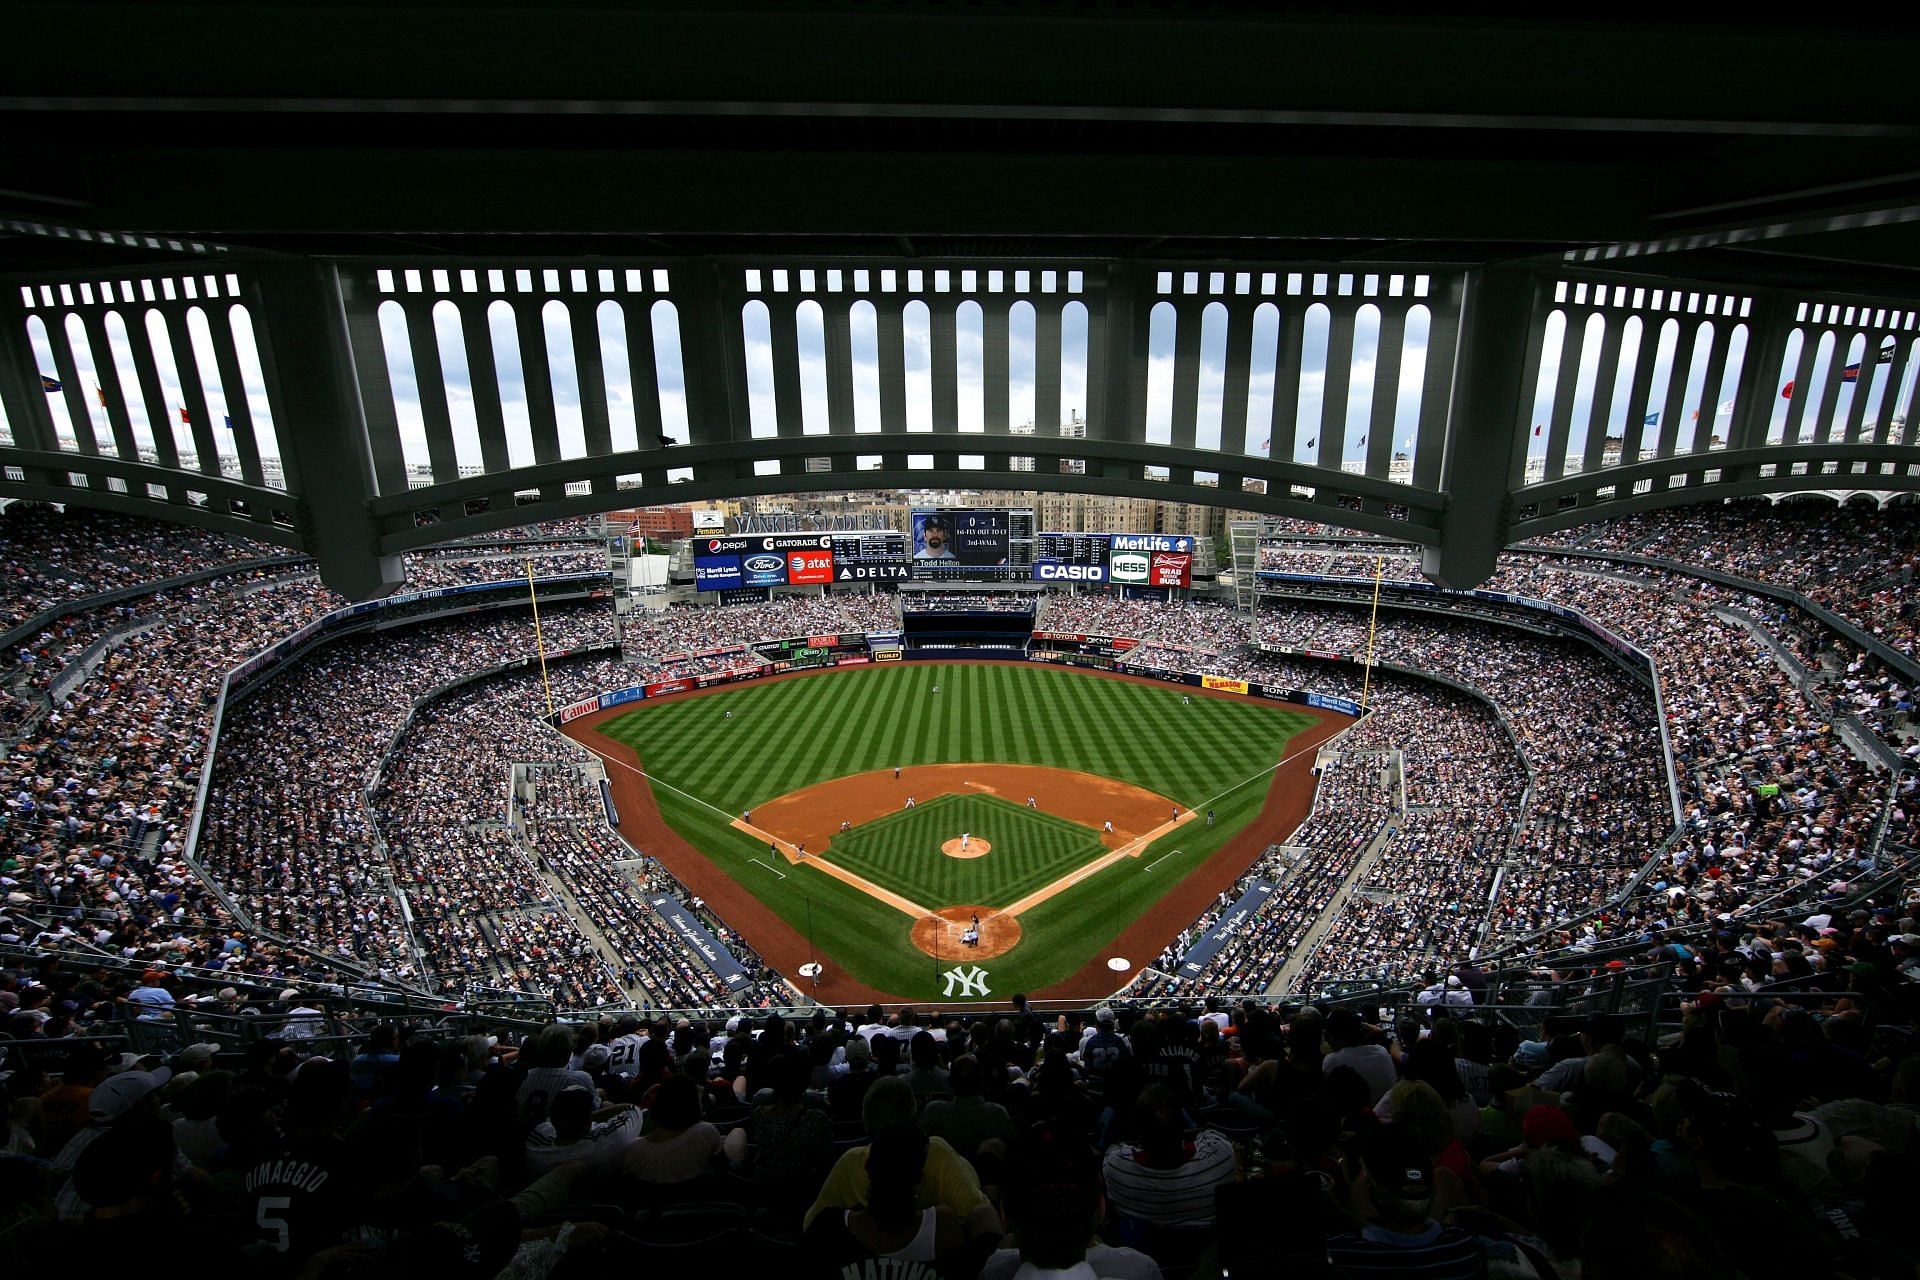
(948, 1180)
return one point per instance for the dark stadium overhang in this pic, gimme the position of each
(1506, 153)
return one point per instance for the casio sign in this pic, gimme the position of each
(1069, 573)
(764, 564)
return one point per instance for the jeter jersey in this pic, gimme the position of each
(298, 1198)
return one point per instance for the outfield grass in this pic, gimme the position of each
(902, 851)
(1213, 753)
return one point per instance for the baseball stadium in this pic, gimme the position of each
(972, 641)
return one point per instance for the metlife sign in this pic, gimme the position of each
(1056, 571)
(1153, 542)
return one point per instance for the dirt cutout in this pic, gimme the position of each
(941, 935)
(971, 847)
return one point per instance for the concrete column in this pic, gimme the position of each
(309, 364)
(1484, 413)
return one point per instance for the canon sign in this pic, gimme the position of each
(1054, 571)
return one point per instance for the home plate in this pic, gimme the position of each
(1119, 964)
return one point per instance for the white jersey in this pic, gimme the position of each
(623, 1054)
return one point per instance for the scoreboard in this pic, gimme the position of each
(1070, 557)
(878, 555)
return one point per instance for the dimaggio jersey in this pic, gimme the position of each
(298, 1197)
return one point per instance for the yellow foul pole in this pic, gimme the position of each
(1373, 619)
(539, 642)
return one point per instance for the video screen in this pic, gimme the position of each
(963, 538)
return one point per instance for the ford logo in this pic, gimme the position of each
(764, 564)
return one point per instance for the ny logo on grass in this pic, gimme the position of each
(965, 982)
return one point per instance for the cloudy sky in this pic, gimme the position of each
(1681, 350)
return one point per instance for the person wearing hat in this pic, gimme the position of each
(1102, 1048)
(1402, 1237)
(128, 1097)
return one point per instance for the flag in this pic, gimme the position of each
(1786, 392)
(229, 422)
(1537, 428)
(1885, 356)
(102, 393)
(49, 385)
(1851, 373)
(1267, 443)
(1725, 409)
(1651, 420)
(183, 416)
(1313, 442)
(1694, 416)
(1363, 440)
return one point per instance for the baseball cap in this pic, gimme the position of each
(1397, 1163)
(119, 1094)
(597, 1055)
(1453, 980)
(858, 1050)
(1905, 940)
(1531, 1055)
(228, 993)
(1543, 1124)
(733, 1024)
(1103, 1014)
(291, 993)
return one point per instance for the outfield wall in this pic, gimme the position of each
(850, 652)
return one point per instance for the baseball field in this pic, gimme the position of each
(949, 831)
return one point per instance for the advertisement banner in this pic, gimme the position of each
(1072, 637)
(619, 696)
(1149, 542)
(853, 660)
(1124, 643)
(825, 642)
(1129, 566)
(1234, 918)
(716, 573)
(886, 655)
(668, 686)
(723, 963)
(708, 520)
(1060, 571)
(898, 571)
(1331, 703)
(764, 569)
(881, 637)
(1172, 569)
(569, 714)
(806, 567)
(1223, 684)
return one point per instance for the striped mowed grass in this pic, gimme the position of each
(706, 768)
(902, 851)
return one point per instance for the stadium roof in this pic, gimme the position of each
(1766, 148)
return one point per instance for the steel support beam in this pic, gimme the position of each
(311, 373)
(1484, 457)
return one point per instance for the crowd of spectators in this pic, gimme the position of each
(966, 602)
(286, 826)
(1856, 560)
(1350, 810)
(1190, 625)
(686, 629)
(1743, 1135)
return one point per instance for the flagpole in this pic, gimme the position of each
(1366, 678)
(539, 642)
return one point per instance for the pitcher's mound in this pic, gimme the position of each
(939, 935)
(975, 848)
